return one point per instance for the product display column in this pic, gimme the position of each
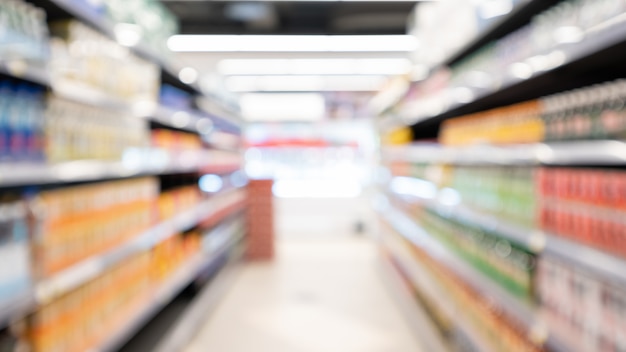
(504, 215)
(117, 189)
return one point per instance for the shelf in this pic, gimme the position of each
(16, 309)
(515, 309)
(25, 71)
(163, 296)
(77, 275)
(585, 153)
(136, 163)
(421, 281)
(107, 27)
(599, 263)
(571, 65)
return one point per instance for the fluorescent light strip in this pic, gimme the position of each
(415, 1)
(241, 84)
(293, 43)
(232, 67)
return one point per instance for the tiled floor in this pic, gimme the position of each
(317, 296)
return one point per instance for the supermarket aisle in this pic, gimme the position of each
(320, 296)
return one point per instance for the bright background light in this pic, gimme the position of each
(316, 189)
(285, 107)
(211, 183)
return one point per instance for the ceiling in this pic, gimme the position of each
(291, 17)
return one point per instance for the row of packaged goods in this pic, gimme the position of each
(33, 128)
(71, 224)
(584, 310)
(42, 234)
(85, 317)
(580, 204)
(26, 24)
(530, 50)
(23, 23)
(487, 320)
(584, 205)
(596, 112)
(503, 261)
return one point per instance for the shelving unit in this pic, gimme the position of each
(490, 179)
(81, 273)
(212, 210)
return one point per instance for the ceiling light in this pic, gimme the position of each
(304, 83)
(231, 67)
(293, 43)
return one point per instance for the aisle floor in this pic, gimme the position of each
(317, 296)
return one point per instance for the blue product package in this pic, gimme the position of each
(18, 119)
(6, 94)
(33, 124)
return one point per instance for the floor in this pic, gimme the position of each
(317, 296)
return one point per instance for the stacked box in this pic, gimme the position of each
(260, 220)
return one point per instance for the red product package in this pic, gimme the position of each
(620, 185)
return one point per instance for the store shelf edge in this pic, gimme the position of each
(15, 174)
(25, 71)
(16, 309)
(583, 152)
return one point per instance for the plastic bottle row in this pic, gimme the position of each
(527, 50)
(36, 129)
(23, 32)
(596, 112)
